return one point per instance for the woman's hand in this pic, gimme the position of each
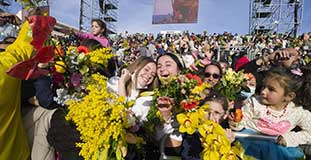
(230, 135)
(125, 75)
(165, 106)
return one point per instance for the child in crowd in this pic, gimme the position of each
(217, 111)
(275, 113)
(99, 31)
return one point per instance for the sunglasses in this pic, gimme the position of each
(215, 76)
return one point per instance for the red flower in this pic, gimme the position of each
(41, 27)
(194, 77)
(83, 49)
(189, 105)
(28, 68)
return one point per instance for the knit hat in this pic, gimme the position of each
(241, 62)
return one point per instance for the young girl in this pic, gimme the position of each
(275, 113)
(98, 33)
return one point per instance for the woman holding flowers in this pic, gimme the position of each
(168, 66)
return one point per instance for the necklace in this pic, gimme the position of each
(275, 116)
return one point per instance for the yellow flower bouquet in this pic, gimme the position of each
(101, 118)
(231, 84)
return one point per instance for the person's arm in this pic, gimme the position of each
(248, 114)
(125, 76)
(81, 35)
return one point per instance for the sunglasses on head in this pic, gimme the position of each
(215, 76)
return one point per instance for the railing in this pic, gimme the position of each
(111, 14)
(113, 2)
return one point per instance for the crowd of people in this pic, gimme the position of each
(276, 103)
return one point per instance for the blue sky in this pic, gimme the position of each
(215, 16)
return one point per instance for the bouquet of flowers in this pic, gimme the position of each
(213, 138)
(72, 68)
(231, 84)
(185, 92)
(103, 122)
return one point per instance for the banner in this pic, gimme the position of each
(175, 11)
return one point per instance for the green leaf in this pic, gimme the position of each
(118, 154)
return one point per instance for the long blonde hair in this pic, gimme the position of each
(137, 65)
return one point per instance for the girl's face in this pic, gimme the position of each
(216, 112)
(273, 94)
(166, 67)
(96, 29)
(212, 75)
(146, 75)
(209, 54)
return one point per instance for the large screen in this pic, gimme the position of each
(175, 11)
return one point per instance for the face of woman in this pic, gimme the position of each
(96, 29)
(166, 67)
(212, 75)
(146, 75)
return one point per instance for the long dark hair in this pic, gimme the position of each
(292, 81)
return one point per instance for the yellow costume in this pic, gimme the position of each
(13, 139)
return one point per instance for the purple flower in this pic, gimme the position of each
(76, 79)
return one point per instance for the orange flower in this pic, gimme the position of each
(59, 51)
(238, 115)
(194, 77)
(189, 105)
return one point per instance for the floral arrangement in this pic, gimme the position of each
(176, 91)
(185, 89)
(186, 92)
(72, 67)
(213, 139)
(231, 84)
(102, 120)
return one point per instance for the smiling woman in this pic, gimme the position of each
(138, 76)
